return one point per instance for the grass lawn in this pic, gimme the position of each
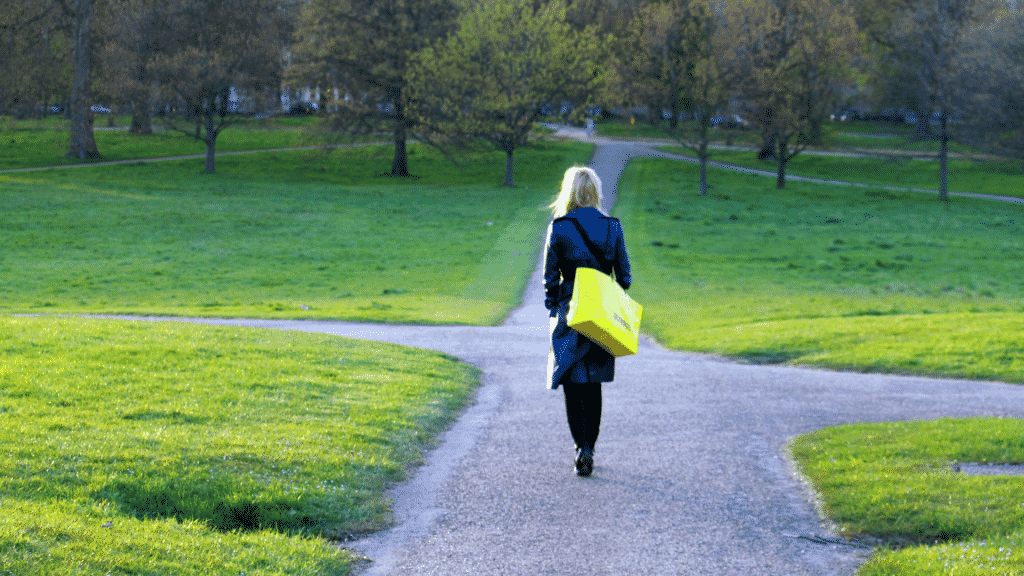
(826, 275)
(989, 177)
(44, 142)
(211, 450)
(894, 481)
(285, 234)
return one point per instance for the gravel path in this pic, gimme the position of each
(690, 474)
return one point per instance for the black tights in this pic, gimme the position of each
(583, 409)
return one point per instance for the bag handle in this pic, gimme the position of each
(588, 242)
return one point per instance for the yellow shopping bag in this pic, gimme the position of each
(601, 311)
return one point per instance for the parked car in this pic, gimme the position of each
(729, 121)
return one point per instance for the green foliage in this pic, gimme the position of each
(204, 463)
(274, 236)
(895, 481)
(825, 275)
(493, 77)
(361, 51)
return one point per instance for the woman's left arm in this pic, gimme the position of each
(552, 277)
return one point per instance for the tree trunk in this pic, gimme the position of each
(781, 151)
(211, 144)
(400, 164)
(923, 129)
(141, 122)
(943, 164)
(767, 146)
(83, 142)
(509, 181)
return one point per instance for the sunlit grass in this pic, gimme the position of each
(985, 177)
(44, 143)
(286, 234)
(176, 431)
(896, 482)
(826, 275)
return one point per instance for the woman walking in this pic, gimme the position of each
(580, 236)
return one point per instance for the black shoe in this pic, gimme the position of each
(584, 461)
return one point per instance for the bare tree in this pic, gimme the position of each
(683, 57)
(930, 43)
(993, 114)
(83, 142)
(218, 49)
(798, 53)
(133, 37)
(35, 56)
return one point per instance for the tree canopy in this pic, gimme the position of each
(363, 49)
(797, 54)
(217, 48)
(495, 76)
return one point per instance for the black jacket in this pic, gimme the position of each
(575, 357)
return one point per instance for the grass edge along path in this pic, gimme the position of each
(894, 483)
(741, 275)
(136, 447)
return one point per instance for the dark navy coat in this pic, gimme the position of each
(574, 357)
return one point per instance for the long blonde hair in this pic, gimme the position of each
(581, 188)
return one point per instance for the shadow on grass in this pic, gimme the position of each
(221, 503)
(768, 357)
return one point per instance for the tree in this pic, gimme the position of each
(219, 51)
(493, 78)
(83, 142)
(682, 58)
(797, 53)
(929, 39)
(362, 49)
(133, 38)
(994, 112)
(35, 55)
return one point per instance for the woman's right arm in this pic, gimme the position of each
(622, 270)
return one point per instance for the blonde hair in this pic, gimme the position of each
(581, 188)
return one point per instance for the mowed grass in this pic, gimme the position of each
(831, 276)
(896, 482)
(169, 448)
(1001, 178)
(27, 144)
(991, 176)
(285, 234)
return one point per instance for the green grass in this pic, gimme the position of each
(30, 145)
(286, 234)
(826, 275)
(212, 450)
(989, 177)
(894, 481)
